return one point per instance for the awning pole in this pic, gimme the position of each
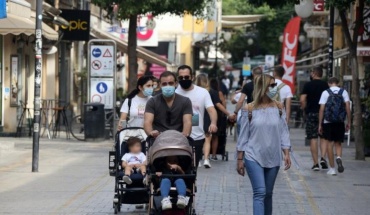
(37, 89)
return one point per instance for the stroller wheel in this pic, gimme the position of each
(115, 209)
(227, 156)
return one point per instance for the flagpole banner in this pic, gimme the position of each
(289, 51)
(2, 9)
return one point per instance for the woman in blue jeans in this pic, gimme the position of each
(263, 135)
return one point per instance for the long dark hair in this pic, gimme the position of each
(214, 84)
(140, 82)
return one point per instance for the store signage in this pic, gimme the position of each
(363, 51)
(79, 25)
(289, 54)
(319, 5)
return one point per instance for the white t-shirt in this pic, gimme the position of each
(285, 92)
(236, 98)
(200, 100)
(325, 95)
(226, 81)
(137, 110)
(132, 158)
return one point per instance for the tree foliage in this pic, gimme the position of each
(265, 34)
(130, 9)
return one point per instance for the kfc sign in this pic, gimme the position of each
(319, 5)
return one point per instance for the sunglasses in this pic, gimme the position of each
(170, 83)
(168, 117)
(185, 77)
(273, 85)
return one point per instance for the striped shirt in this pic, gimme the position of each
(263, 138)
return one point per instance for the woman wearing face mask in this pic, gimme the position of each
(132, 110)
(263, 135)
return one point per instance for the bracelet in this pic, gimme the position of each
(236, 112)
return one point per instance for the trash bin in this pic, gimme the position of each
(94, 122)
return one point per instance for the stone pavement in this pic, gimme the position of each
(73, 179)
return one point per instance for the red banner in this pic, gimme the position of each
(289, 53)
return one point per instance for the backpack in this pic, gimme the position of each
(129, 108)
(251, 107)
(335, 107)
(277, 96)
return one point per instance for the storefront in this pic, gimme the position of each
(17, 64)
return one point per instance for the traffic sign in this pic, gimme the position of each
(96, 52)
(102, 61)
(102, 91)
(101, 87)
(107, 53)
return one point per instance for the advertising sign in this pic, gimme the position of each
(269, 62)
(147, 33)
(289, 54)
(319, 5)
(102, 61)
(79, 25)
(102, 91)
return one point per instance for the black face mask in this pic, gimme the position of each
(311, 78)
(185, 84)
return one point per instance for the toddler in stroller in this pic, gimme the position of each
(134, 160)
(171, 166)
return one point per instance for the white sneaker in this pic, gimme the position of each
(207, 164)
(166, 203)
(200, 164)
(332, 171)
(127, 179)
(181, 202)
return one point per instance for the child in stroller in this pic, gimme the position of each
(134, 160)
(171, 166)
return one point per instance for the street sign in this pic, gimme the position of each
(246, 70)
(102, 91)
(102, 61)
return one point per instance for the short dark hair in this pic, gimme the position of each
(166, 74)
(318, 71)
(257, 70)
(132, 141)
(333, 80)
(279, 71)
(185, 67)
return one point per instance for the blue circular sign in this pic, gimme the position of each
(96, 52)
(102, 87)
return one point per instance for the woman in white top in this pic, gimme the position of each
(134, 113)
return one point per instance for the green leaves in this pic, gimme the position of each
(156, 7)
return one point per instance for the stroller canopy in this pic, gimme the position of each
(170, 143)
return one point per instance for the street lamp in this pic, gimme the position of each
(250, 41)
(305, 8)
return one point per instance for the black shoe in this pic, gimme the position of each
(323, 163)
(340, 165)
(315, 167)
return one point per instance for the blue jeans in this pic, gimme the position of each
(166, 186)
(262, 180)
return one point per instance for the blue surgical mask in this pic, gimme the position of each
(272, 92)
(168, 91)
(148, 91)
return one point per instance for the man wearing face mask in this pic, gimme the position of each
(168, 110)
(310, 98)
(201, 101)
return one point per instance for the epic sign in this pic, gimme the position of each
(290, 47)
(79, 24)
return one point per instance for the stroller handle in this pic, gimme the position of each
(184, 176)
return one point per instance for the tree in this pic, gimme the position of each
(131, 9)
(351, 41)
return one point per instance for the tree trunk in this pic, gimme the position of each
(352, 45)
(357, 111)
(132, 55)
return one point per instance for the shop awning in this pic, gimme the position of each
(16, 25)
(231, 21)
(19, 25)
(142, 53)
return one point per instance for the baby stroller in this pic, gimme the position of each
(171, 143)
(137, 192)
